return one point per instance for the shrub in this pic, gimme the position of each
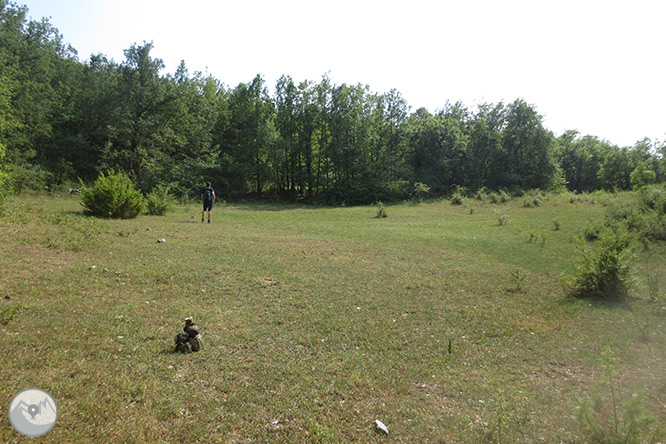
(611, 420)
(502, 218)
(381, 211)
(26, 177)
(420, 190)
(604, 271)
(112, 196)
(158, 202)
(533, 198)
(642, 212)
(491, 196)
(5, 188)
(458, 197)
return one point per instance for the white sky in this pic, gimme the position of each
(594, 66)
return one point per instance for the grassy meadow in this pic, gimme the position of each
(449, 323)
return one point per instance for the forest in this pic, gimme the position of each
(62, 119)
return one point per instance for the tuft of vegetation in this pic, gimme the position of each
(604, 268)
(5, 180)
(420, 190)
(381, 211)
(534, 198)
(493, 197)
(458, 197)
(159, 201)
(517, 279)
(502, 218)
(612, 420)
(7, 314)
(112, 196)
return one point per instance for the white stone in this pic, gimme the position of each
(381, 427)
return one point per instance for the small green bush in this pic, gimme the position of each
(457, 198)
(381, 211)
(534, 198)
(492, 197)
(609, 419)
(502, 218)
(7, 314)
(5, 188)
(459, 193)
(642, 212)
(604, 271)
(112, 196)
(420, 190)
(158, 202)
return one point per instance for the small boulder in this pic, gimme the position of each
(195, 343)
(161, 240)
(182, 337)
(184, 347)
(192, 330)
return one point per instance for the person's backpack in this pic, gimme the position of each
(208, 195)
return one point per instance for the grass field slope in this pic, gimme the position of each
(448, 323)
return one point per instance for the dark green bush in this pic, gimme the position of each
(113, 196)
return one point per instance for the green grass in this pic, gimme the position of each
(437, 320)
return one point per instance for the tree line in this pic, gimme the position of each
(62, 119)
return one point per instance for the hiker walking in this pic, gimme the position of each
(208, 197)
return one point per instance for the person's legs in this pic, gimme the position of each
(208, 206)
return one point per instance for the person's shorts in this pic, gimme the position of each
(208, 205)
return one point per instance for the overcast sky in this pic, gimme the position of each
(594, 66)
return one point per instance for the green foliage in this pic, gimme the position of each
(458, 197)
(381, 211)
(26, 177)
(534, 198)
(642, 212)
(420, 190)
(611, 420)
(112, 196)
(493, 197)
(517, 279)
(502, 218)
(319, 142)
(509, 409)
(7, 314)
(5, 179)
(159, 201)
(604, 269)
(641, 176)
